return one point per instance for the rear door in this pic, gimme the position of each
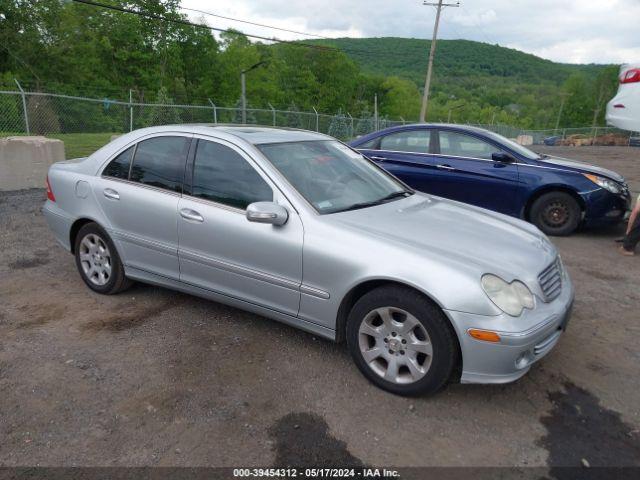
(405, 154)
(468, 173)
(139, 191)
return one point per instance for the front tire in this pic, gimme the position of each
(98, 261)
(401, 341)
(556, 213)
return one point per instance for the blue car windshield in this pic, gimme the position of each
(516, 147)
(331, 176)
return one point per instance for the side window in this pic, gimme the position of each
(119, 166)
(160, 162)
(223, 176)
(462, 145)
(413, 141)
(370, 145)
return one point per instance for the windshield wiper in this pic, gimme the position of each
(385, 199)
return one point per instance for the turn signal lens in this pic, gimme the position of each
(484, 335)
(50, 195)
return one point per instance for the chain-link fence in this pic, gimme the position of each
(574, 137)
(36, 113)
(39, 113)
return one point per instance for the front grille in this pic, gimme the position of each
(551, 280)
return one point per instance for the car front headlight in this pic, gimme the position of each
(605, 183)
(511, 298)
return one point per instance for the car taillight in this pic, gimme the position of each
(631, 76)
(50, 194)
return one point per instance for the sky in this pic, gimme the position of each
(571, 31)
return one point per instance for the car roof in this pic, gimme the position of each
(458, 126)
(254, 134)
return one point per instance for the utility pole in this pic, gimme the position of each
(432, 53)
(564, 98)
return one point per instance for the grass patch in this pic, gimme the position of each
(81, 144)
(75, 144)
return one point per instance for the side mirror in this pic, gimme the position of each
(267, 212)
(502, 157)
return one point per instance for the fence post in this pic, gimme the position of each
(351, 118)
(375, 111)
(317, 119)
(215, 112)
(130, 110)
(24, 106)
(273, 112)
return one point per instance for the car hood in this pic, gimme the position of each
(581, 167)
(455, 232)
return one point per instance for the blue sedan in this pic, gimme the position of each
(483, 168)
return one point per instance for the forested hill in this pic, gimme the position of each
(480, 82)
(407, 57)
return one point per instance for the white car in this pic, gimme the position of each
(623, 111)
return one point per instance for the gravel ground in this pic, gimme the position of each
(154, 377)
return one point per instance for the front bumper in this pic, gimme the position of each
(512, 357)
(606, 208)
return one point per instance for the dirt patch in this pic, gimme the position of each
(131, 315)
(581, 432)
(303, 440)
(602, 275)
(39, 315)
(28, 262)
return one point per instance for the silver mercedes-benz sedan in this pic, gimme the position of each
(298, 227)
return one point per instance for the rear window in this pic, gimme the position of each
(160, 162)
(119, 166)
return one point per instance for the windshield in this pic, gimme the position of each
(331, 176)
(516, 147)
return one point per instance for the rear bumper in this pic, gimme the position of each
(627, 118)
(59, 223)
(512, 357)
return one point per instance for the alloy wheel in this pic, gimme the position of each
(95, 259)
(395, 345)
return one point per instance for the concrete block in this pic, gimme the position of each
(525, 140)
(24, 161)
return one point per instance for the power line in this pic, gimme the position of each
(196, 25)
(484, 34)
(254, 23)
(260, 37)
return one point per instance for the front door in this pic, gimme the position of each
(219, 249)
(467, 172)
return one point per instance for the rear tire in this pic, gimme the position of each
(98, 261)
(401, 341)
(556, 213)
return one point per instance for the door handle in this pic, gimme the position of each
(111, 193)
(380, 159)
(189, 214)
(445, 167)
